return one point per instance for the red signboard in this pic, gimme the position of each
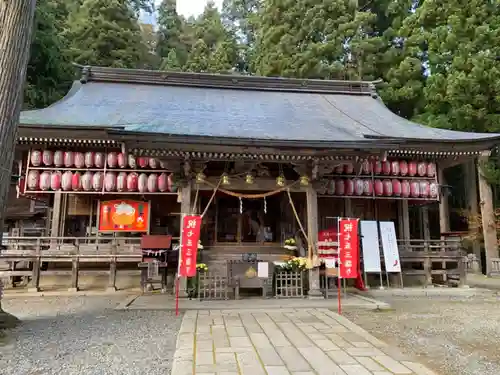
(349, 248)
(191, 226)
(124, 215)
(328, 243)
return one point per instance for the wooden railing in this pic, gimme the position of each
(75, 250)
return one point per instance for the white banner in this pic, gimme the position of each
(390, 246)
(370, 246)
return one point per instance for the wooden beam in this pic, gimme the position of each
(260, 184)
(472, 198)
(312, 234)
(185, 210)
(444, 209)
(487, 215)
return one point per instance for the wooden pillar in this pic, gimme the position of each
(472, 199)
(312, 234)
(487, 215)
(185, 210)
(404, 222)
(56, 214)
(444, 208)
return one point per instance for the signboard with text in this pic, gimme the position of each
(370, 246)
(349, 248)
(390, 246)
(191, 226)
(124, 215)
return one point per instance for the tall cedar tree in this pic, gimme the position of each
(106, 33)
(171, 48)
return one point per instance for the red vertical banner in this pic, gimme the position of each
(191, 226)
(349, 248)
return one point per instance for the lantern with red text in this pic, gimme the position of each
(377, 168)
(358, 186)
(58, 158)
(387, 188)
(45, 181)
(405, 188)
(110, 181)
(69, 159)
(97, 181)
(330, 187)
(422, 168)
(76, 181)
(366, 167)
(339, 187)
(153, 163)
(152, 183)
(170, 182)
(349, 168)
(122, 160)
(394, 168)
(396, 187)
(424, 187)
(386, 167)
(403, 168)
(36, 158)
(163, 182)
(143, 162)
(79, 160)
(414, 189)
(87, 181)
(99, 160)
(47, 158)
(55, 181)
(433, 190)
(89, 159)
(431, 169)
(112, 159)
(132, 182)
(379, 188)
(131, 161)
(33, 180)
(66, 180)
(367, 187)
(121, 182)
(142, 183)
(349, 187)
(412, 168)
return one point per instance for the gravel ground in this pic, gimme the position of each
(453, 336)
(85, 335)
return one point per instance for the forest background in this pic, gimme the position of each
(437, 62)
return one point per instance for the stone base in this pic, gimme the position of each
(33, 290)
(315, 294)
(111, 289)
(7, 320)
(73, 290)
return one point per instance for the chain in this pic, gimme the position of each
(265, 205)
(241, 205)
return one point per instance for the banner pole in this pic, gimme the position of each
(179, 260)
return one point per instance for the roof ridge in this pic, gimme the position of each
(225, 81)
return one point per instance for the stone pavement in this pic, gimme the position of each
(313, 341)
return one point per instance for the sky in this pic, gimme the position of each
(193, 7)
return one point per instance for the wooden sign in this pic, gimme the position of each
(124, 215)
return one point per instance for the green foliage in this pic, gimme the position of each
(170, 35)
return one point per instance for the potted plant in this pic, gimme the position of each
(290, 244)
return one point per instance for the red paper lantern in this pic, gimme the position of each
(366, 167)
(395, 168)
(99, 160)
(33, 180)
(424, 187)
(131, 161)
(153, 163)
(152, 183)
(339, 187)
(405, 188)
(379, 188)
(163, 182)
(55, 181)
(331, 187)
(110, 181)
(414, 189)
(377, 168)
(403, 168)
(69, 159)
(433, 190)
(349, 187)
(36, 158)
(76, 181)
(431, 169)
(79, 160)
(58, 158)
(47, 158)
(339, 169)
(367, 187)
(87, 181)
(121, 182)
(66, 180)
(170, 182)
(358, 186)
(122, 160)
(142, 162)
(45, 181)
(89, 159)
(422, 168)
(396, 187)
(412, 168)
(387, 186)
(97, 181)
(386, 168)
(132, 180)
(112, 160)
(349, 168)
(142, 183)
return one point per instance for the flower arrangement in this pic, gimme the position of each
(295, 264)
(201, 267)
(290, 244)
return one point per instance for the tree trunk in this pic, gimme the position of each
(16, 28)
